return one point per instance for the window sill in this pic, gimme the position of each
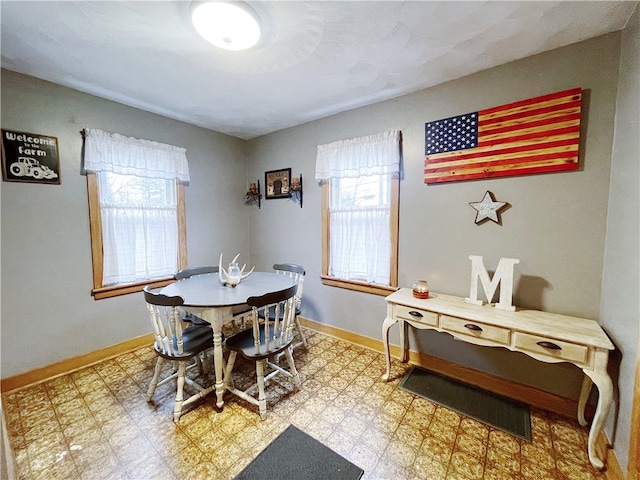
(357, 286)
(117, 290)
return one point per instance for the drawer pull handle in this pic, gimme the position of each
(549, 345)
(473, 327)
(414, 313)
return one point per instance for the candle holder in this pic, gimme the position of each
(296, 189)
(421, 289)
(253, 196)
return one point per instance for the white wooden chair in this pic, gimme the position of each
(263, 341)
(175, 343)
(296, 272)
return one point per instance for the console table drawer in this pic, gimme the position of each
(475, 329)
(570, 352)
(416, 315)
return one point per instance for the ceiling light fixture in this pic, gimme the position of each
(227, 25)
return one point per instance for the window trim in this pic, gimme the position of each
(95, 226)
(365, 287)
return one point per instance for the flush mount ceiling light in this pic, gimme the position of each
(232, 26)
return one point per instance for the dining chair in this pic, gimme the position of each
(296, 272)
(191, 271)
(175, 343)
(263, 341)
(239, 312)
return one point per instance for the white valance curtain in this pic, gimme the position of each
(112, 152)
(138, 204)
(376, 154)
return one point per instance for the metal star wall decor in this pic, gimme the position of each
(488, 209)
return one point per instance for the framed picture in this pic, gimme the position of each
(278, 183)
(30, 157)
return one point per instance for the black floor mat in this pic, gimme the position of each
(486, 407)
(294, 455)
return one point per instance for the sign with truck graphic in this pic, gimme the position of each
(30, 157)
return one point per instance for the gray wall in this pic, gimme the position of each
(555, 226)
(48, 313)
(620, 307)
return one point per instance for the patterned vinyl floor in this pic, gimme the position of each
(96, 424)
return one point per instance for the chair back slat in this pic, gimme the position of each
(256, 330)
(165, 321)
(277, 332)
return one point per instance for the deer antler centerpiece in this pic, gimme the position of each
(234, 275)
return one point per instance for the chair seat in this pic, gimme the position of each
(196, 338)
(243, 343)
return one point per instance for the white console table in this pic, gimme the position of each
(547, 337)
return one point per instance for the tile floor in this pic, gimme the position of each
(96, 424)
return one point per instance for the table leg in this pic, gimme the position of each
(217, 365)
(404, 348)
(217, 317)
(386, 325)
(605, 397)
(584, 396)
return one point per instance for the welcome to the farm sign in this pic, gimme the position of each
(30, 157)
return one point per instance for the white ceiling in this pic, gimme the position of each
(315, 58)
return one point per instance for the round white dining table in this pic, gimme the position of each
(205, 296)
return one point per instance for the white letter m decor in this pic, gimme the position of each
(503, 274)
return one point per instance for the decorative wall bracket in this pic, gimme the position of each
(296, 190)
(253, 196)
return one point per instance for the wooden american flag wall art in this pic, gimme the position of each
(538, 135)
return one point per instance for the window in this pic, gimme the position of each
(136, 210)
(360, 201)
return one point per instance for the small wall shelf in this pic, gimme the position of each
(296, 189)
(253, 196)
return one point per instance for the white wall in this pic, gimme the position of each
(620, 305)
(48, 313)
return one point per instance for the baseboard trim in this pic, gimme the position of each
(508, 388)
(524, 393)
(73, 364)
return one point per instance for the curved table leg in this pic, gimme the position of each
(584, 396)
(386, 325)
(605, 397)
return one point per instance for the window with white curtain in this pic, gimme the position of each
(136, 204)
(360, 182)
